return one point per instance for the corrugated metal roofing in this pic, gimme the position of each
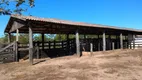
(70, 22)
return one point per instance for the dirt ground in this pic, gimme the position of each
(109, 65)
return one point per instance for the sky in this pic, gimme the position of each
(120, 13)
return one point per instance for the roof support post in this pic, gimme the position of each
(129, 41)
(104, 41)
(110, 42)
(16, 52)
(118, 42)
(125, 43)
(30, 45)
(17, 35)
(9, 37)
(68, 44)
(113, 45)
(42, 41)
(77, 43)
(99, 43)
(91, 48)
(133, 41)
(121, 41)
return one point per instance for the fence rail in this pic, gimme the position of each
(9, 53)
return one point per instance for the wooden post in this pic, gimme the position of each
(49, 45)
(112, 45)
(109, 37)
(16, 52)
(133, 41)
(17, 35)
(68, 44)
(37, 49)
(14, 49)
(91, 48)
(54, 44)
(9, 37)
(77, 44)
(42, 41)
(30, 45)
(121, 41)
(16, 45)
(99, 43)
(126, 45)
(62, 45)
(129, 41)
(84, 44)
(104, 41)
(117, 39)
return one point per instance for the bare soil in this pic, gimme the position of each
(109, 65)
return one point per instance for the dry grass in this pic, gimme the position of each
(109, 65)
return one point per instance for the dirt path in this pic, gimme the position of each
(110, 65)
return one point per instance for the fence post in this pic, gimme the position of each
(54, 44)
(68, 44)
(37, 49)
(133, 41)
(77, 43)
(16, 51)
(91, 48)
(49, 45)
(30, 45)
(104, 41)
(62, 45)
(112, 45)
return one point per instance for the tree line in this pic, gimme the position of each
(24, 38)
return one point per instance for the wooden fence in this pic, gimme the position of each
(52, 48)
(137, 42)
(9, 53)
(61, 48)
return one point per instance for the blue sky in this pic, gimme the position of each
(121, 13)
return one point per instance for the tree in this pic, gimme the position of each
(60, 37)
(24, 38)
(8, 7)
(4, 38)
(47, 37)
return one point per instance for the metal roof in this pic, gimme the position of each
(82, 24)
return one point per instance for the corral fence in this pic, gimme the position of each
(52, 48)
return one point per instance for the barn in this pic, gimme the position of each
(103, 37)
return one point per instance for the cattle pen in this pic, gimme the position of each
(106, 37)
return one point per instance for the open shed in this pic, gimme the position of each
(32, 25)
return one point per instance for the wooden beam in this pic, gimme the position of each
(113, 45)
(42, 41)
(91, 48)
(121, 41)
(133, 41)
(16, 52)
(99, 48)
(129, 41)
(77, 44)
(118, 44)
(109, 43)
(9, 37)
(17, 35)
(30, 45)
(16, 25)
(104, 41)
(38, 50)
(68, 44)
